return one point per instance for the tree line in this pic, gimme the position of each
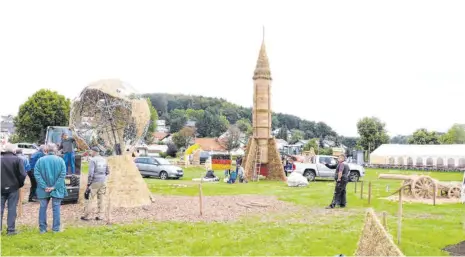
(214, 116)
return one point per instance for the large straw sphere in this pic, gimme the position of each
(111, 115)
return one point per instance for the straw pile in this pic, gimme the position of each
(125, 185)
(275, 165)
(249, 159)
(375, 241)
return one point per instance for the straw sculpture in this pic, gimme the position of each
(375, 241)
(125, 183)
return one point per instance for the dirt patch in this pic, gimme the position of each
(172, 208)
(187, 209)
(395, 198)
(456, 250)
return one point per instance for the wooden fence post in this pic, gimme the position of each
(369, 193)
(434, 195)
(200, 199)
(399, 218)
(385, 220)
(355, 186)
(361, 190)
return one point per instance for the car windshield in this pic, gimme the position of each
(162, 161)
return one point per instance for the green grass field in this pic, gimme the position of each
(426, 228)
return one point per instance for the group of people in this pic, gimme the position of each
(47, 173)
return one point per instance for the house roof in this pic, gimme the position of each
(281, 141)
(210, 144)
(160, 135)
(420, 150)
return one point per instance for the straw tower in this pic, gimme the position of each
(261, 149)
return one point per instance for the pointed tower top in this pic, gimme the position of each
(262, 70)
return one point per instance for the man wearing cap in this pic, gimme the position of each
(98, 172)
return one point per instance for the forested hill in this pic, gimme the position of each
(214, 115)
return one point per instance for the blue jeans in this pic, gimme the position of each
(56, 205)
(12, 199)
(69, 161)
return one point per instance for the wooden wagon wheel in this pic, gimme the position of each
(423, 187)
(454, 192)
(444, 192)
(407, 188)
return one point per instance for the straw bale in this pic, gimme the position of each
(275, 165)
(249, 160)
(375, 241)
(125, 183)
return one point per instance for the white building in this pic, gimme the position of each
(420, 155)
(161, 126)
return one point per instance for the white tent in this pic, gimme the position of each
(420, 155)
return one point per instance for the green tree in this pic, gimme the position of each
(195, 115)
(153, 123)
(312, 143)
(184, 138)
(455, 135)
(325, 151)
(244, 126)
(323, 131)
(178, 119)
(232, 139)
(212, 125)
(44, 108)
(282, 134)
(296, 135)
(372, 133)
(14, 139)
(424, 137)
(308, 127)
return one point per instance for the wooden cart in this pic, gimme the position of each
(423, 187)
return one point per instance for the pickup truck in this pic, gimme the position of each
(319, 170)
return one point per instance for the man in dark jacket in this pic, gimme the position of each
(13, 176)
(342, 178)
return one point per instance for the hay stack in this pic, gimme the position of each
(375, 241)
(249, 159)
(125, 184)
(275, 165)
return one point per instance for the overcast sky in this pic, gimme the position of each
(332, 61)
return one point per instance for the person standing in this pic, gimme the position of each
(342, 178)
(50, 173)
(12, 176)
(34, 158)
(19, 153)
(67, 146)
(98, 172)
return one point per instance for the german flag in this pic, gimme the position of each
(221, 162)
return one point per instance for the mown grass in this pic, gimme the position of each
(426, 228)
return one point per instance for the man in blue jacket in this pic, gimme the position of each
(50, 173)
(34, 158)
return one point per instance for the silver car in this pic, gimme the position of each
(158, 167)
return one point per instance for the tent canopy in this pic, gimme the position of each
(395, 150)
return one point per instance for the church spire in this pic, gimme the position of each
(262, 70)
